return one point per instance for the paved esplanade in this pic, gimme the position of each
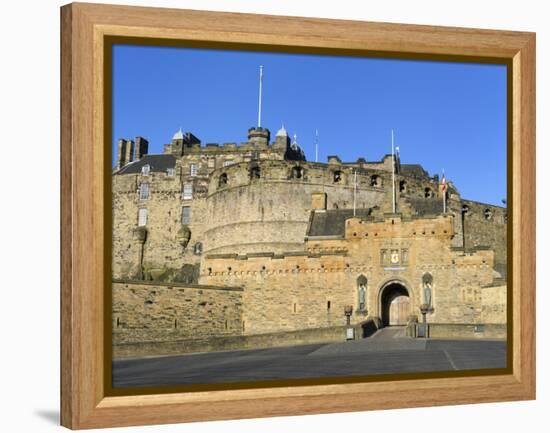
(385, 352)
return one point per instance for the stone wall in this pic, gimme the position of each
(493, 303)
(467, 331)
(310, 289)
(487, 230)
(164, 253)
(154, 312)
(273, 211)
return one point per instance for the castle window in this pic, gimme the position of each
(187, 191)
(402, 186)
(142, 217)
(375, 181)
(186, 215)
(337, 176)
(428, 193)
(212, 163)
(254, 172)
(145, 169)
(170, 172)
(194, 168)
(222, 181)
(297, 173)
(487, 214)
(197, 248)
(144, 191)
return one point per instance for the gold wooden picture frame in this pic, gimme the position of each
(87, 30)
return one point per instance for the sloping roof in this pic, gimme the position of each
(332, 222)
(157, 163)
(414, 169)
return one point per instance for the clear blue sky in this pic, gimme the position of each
(449, 116)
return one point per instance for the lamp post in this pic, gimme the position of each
(348, 311)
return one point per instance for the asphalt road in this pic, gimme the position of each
(386, 352)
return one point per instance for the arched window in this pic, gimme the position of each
(337, 176)
(427, 283)
(222, 180)
(488, 214)
(197, 248)
(362, 293)
(428, 193)
(375, 181)
(297, 172)
(402, 186)
(254, 172)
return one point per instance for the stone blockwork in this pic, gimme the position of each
(300, 240)
(149, 312)
(310, 289)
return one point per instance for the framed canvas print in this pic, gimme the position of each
(266, 215)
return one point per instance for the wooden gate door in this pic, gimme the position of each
(400, 309)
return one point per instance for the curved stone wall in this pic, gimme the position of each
(271, 213)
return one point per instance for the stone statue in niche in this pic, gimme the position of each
(428, 293)
(427, 283)
(362, 293)
(362, 297)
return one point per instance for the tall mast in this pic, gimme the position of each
(444, 191)
(260, 98)
(354, 190)
(392, 172)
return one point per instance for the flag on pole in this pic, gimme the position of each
(444, 192)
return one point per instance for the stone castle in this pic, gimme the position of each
(249, 245)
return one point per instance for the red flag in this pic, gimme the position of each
(443, 184)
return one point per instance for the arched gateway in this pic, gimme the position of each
(395, 304)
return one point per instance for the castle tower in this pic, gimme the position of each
(259, 136)
(142, 147)
(180, 141)
(282, 140)
(125, 153)
(176, 147)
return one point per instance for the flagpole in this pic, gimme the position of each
(354, 190)
(392, 172)
(260, 98)
(444, 193)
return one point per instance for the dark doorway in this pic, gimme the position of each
(396, 306)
